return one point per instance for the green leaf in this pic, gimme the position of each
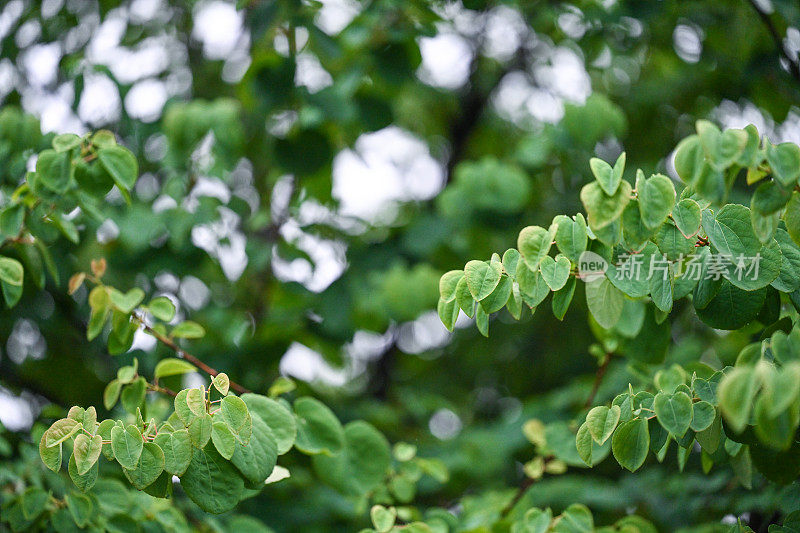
(148, 468)
(482, 321)
(86, 417)
(177, 448)
(11, 293)
(689, 159)
(607, 178)
(65, 141)
(776, 431)
(674, 412)
(127, 374)
(173, 367)
(182, 407)
(212, 482)
(555, 272)
(448, 312)
(531, 285)
(770, 197)
(222, 383)
(510, 260)
(780, 388)
(132, 397)
(731, 232)
(605, 302)
(126, 302)
(498, 298)
(54, 170)
(100, 302)
(784, 160)
(257, 459)
(196, 400)
(200, 430)
(576, 518)
(188, 330)
(571, 236)
(584, 444)
(602, 208)
(104, 430)
(630, 443)
(448, 283)
(234, 413)
(12, 218)
(60, 431)
(482, 278)
(672, 243)
(535, 521)
(736, 391)
(703, 415)
(127, 444)
(51, 456)
(111, 393)
(464, 298)
(223, 439)
(279, 419)
(534, 243)
(636, 234)
(562, 298)
(792, 217)
(687, 217)
(721, 148)
(363, 463)
(87, 452)
(656, 199)
(382, 518)
(162, 308)
(121, 164)
(731, 308)
(86, 481)
(318, 429)
(601, 422)
(11, 271)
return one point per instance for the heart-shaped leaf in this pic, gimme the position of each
(603, 209)
(534, 243)
(630, 443)
(656, 199)
(687, 217)
(608, 178)
(601, 422)
(128, 301)
(482, 278)
(674, 412)
(127, 444)
(555, 271)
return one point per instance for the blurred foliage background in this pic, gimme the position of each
(310, 169)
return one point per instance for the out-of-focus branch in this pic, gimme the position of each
(793, 62)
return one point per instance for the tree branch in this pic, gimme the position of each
(183, 354)
(794, 66)
(598, 378)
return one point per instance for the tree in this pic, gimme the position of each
(177, 226)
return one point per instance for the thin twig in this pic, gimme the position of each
(598, 378)
(794, 67)
(155, 387)
(183, 354)
(523, 488)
